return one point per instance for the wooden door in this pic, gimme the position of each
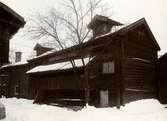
(104, 98)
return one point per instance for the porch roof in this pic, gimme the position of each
(59, 66)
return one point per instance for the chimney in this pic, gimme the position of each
(41, 49)
(18, 56)
(102, 25)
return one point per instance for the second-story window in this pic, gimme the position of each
(108, 67)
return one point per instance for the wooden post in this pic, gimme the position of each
(157, 74)
(121, 72)
(119, 79)
(118, 74)
(87, 82)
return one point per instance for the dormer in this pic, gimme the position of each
(102, 25)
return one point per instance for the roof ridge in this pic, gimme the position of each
(8, 9)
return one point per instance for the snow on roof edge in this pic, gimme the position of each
(59, 66)
(14, 64)
(44, 54)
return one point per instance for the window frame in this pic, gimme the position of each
(108, 67)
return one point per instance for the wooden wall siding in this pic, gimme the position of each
(4, 44)
(58, 82)
(17, 76)
(139, 51)
(140, 36)
(139, 78)
(137, 95)
(141, 44)
(163, 81)
(100, 81)
(163, 91)
(103, 81)
(139, 57)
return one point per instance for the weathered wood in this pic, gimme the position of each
(118, 77)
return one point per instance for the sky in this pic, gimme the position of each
(124, 11)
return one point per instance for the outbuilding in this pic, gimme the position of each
(121, 67)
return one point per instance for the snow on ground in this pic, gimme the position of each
(25, 110)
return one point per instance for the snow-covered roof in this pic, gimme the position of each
(123, 28)
(15, 64)
(44, 54)
(59, 66)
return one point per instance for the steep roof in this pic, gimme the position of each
(133, 26)
(12, 12)
(98, 39)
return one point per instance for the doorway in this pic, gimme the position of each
(104, 98)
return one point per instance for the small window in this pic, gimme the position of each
(108, 67)
(16, 90)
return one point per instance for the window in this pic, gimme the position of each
(108, 67)
(16, 90)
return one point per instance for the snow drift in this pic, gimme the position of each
(25, 110)
(143, 106)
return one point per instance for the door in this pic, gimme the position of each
(104, 98)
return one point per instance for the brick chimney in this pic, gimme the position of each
(18, 56)
(102, 25)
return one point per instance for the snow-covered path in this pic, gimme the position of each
(24, 110)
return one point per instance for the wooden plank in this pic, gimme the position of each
(118, 71)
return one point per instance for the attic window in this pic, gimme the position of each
(108, 67)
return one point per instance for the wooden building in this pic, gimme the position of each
(121, 67)
(15, 80)
(162, 76)
(18, 85)
(10, 22)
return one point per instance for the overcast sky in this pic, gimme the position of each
(155, 12)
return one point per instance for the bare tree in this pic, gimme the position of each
(68, 27)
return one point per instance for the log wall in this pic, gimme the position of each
(139, 68)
